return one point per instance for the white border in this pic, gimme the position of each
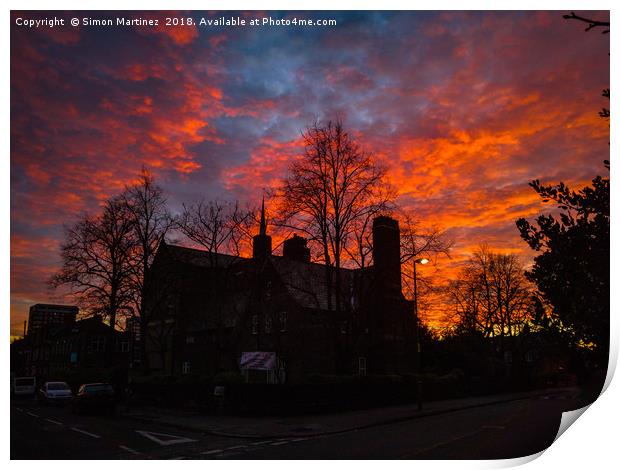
(590, 444)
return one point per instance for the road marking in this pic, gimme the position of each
(53, 422)
(214, 451)
(279, 443)
(439, 444)
(32, 414)
(299, 439)
(172, 439)
(86, 432)
(129, 449)
(18, 409)
(235, 447)
(261, 443)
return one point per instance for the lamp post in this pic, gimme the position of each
(417, 331)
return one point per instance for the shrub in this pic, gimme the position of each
(228, 378)
(330, 379)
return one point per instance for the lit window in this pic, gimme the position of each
(254, 324)
(186, 368)
(361, 364)
(98, 344)
(529, 356)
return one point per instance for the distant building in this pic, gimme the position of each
(82, 348)
(207, 311)
(85, 347)
(44, 315)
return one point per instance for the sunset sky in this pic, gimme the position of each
(464, 108)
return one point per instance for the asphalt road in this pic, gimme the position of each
(507, 430)
(501, 431)
(55, 432)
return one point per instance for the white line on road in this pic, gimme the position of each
(214, 451)
(439, 444)
(130, 450)
(279, 443)
(18, 409)
(86, 432)
(235, 447)
(169, 439)
(299, 439)
(53, 421)
(261, 443)
(32, 414)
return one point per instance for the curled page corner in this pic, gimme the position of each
(523, 460)
(566, 421)
(568, 418)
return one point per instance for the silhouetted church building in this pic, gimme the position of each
(210, 310)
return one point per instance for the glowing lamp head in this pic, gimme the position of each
(422, 260)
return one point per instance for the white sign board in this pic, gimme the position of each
(258, 360)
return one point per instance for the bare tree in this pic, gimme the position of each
(150, 222)
(330, 192)
(358, 244)
(219, 227)
(492, 295)
(96, 261)
(591, 23)
(417, 242)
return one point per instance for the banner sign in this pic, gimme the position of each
(260, 360)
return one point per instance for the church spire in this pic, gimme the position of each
(261, 244)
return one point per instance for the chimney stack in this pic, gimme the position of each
(296, 248)
(386, 253)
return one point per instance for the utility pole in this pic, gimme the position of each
(417, 332)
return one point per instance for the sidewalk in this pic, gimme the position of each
(316, 425)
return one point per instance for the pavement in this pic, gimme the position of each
(321, 424)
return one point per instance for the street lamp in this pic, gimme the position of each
(417, 330)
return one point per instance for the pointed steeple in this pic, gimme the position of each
(261, 245)
(263, 222)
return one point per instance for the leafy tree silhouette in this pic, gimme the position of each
(572, 271)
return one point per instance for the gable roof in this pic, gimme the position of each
(305, 282)
(200, 258)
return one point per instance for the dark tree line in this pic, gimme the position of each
(491, 297)
(571, 271)
(106, 257)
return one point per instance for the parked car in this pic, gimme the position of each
(24, 387)
(95, 397)
(55, 392)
